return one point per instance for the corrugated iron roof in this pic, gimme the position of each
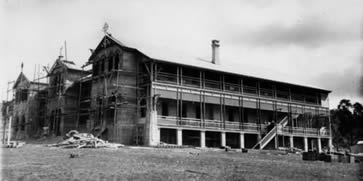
(243, 70)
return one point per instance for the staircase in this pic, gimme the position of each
(271, 134)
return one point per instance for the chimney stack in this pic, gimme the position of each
(215, 52)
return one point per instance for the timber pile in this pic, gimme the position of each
(84, 140)
(15, 144)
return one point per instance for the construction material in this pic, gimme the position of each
(84, 140)
(15, 144)
(310, 156)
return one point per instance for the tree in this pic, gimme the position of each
(347, 123)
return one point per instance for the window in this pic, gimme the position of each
(230, 115)
(143, 108)
(116, 62)
(16, 124)
(110, 63)
(22, 125)
(184, 110)
(99, 110)
(102, 68)
(95, 69)
(58, 83)
(24, 95)
(164, 109)
(110, 116)
(197, 111)
(209, 111)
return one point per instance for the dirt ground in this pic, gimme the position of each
(38, 162)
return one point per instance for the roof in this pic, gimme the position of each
(30, 84)
(66, 64)
(105, 41)
(245, 70)
(20, 78)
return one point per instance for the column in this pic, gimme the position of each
(291, 141)
(330, 144)
(306, 145)
(258, 140)
(153, 129)
(319, 145)
(202, 139)
(9, 130)
(179, 137)
(242, 140)
(276, 141)
(223, 139)
(158, 135)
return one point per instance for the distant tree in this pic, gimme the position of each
(347, 123)
(358, 119)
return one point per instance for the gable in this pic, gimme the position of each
(22, 80)
(109, 41)
(60, 64)
(57, 65)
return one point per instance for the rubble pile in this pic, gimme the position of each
(84, 140)
(15, 144)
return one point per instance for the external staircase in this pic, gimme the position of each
(272, 133)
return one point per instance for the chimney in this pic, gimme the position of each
(215, 52)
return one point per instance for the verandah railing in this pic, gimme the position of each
(287, 130)
(196, 82)
(237, 126)
(210, 124)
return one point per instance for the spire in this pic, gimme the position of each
(22, 66)
(105, 28)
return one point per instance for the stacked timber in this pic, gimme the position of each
(84, 140)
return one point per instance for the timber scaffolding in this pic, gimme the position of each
(41, 98)
(63, 96)
(42, 117)
(32, 117)
(112, 99)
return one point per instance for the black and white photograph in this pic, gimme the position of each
(155, 90)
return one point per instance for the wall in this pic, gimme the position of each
(121, 128)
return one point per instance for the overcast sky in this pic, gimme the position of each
(313, 42)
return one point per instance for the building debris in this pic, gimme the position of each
(84, 140)
(74, 155)
(15, 144)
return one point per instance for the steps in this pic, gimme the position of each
(271, 134)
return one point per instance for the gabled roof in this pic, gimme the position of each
(109, 39)
(29, 84)
(21, 78)
(185, 61)
(65, 64)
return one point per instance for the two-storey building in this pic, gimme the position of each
(139, 99)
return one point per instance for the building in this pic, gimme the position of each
(6, 112)
(28, 114)
(63, 96)
(131, 98)
(136, 99)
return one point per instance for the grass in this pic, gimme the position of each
(37, 162)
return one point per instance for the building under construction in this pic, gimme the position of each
(131, 98)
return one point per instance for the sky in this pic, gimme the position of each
(309, 42)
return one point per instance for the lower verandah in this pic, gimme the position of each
(193, 123)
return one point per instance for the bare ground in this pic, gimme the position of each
(38, 162)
